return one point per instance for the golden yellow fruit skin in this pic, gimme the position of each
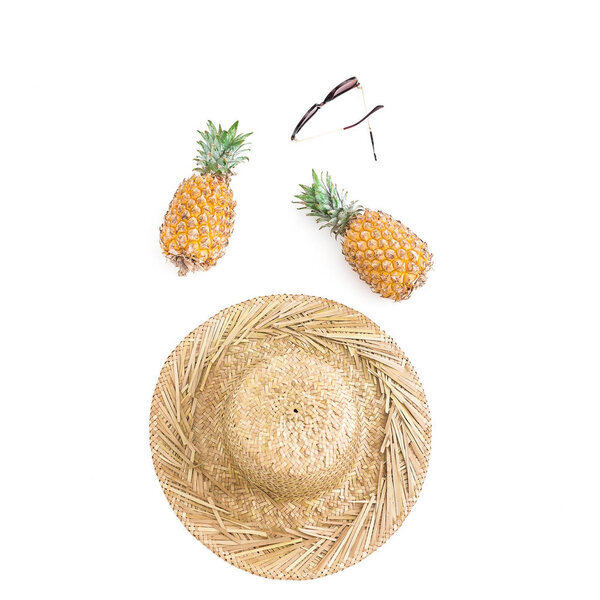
(197, 226)
(386, 254)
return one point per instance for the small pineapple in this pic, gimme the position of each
(197, 226)
(384, 252)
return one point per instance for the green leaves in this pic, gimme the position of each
(326, 203)
(221, 150)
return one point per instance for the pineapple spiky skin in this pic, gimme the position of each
(199, 222)
(385, 253)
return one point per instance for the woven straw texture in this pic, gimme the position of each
(290, 435)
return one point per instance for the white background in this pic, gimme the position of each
(489, 150)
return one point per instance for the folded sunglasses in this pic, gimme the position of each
(336, 92)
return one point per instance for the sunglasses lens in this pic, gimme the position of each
(310, 113)
(342, 88)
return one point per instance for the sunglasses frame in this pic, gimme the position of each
(332, 95)
(312, 111)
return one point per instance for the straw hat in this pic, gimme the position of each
(290, 435)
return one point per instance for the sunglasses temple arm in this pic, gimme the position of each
(318, 135)
(368, 123)
(372, 143)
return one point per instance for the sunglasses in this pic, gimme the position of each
(336, 92)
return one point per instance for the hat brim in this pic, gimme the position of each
(298, 538)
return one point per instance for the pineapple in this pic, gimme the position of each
(197, 226)
(384, 252)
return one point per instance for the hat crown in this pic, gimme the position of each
(292, 426)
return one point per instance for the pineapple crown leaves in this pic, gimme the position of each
(324, 201)
(221, 150)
